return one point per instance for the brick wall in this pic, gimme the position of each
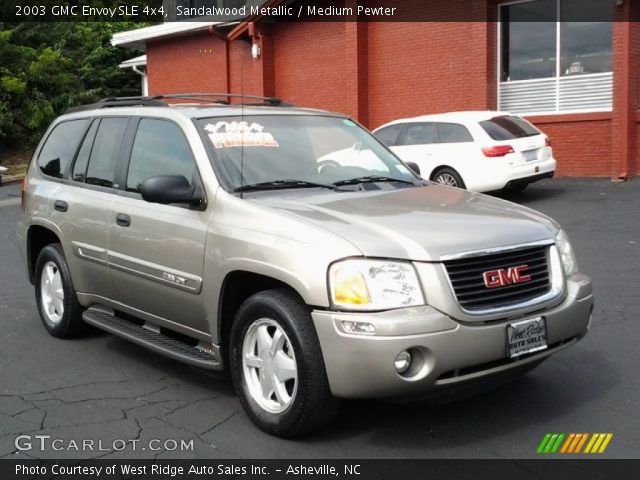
(309, 61)
(194, 63)
(422, 68)
(245, 71)
(581, 147)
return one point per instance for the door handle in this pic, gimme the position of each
(123, 219)
(61, 205)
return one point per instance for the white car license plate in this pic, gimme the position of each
(526, 336)
(530, 155)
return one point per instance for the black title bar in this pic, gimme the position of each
(569, 469)
(306, 10)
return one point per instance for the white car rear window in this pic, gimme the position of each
(508, 128)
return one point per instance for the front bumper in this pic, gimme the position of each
(451, 353)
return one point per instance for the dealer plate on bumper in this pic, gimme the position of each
(527, 336)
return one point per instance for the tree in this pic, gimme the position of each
(46, 68)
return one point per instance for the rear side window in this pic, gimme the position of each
(104, 154)
(80, 165)
(160, 148)
(389, 135)
(60, 147)
(418, 134)
(508, 128)
(453, 133)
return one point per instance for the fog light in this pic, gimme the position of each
(362, 328)
(402, 362)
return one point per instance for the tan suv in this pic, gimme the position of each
(225, 236)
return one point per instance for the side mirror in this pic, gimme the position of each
(413, 166)
(170, 189)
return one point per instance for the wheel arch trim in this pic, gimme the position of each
(36, 224)
(254, 267)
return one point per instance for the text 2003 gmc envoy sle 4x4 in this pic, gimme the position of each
(225, 236)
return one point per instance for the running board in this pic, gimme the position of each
(104, 319)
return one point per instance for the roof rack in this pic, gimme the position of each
(156, 101)
(271, 101)
(121, 102)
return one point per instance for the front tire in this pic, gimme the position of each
(58, 305)
(449, 177)
(277, 366)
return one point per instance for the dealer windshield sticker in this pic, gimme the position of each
(239, 134)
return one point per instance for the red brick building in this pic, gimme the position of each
(579, 82)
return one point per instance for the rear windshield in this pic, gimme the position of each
(508, 128)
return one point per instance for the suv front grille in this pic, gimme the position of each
(468, 280)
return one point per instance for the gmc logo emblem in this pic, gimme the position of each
(506, 276)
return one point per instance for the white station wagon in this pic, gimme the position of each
(479, 151)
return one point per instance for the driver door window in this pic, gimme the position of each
(160, 148)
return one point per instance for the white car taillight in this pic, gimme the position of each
(497, 150)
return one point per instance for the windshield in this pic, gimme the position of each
(307, 149)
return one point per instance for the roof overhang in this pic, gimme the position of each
(140, 61)
(137, 38)
(233, 28)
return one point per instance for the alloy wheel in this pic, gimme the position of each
(52, 292)
(269, 365)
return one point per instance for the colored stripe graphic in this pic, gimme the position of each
(543, 443)
(598, 443)
(574, 443)
(607, 439)
(594, 437)
(550, 443)
(581, 443)
(555, 447)
(568, 442)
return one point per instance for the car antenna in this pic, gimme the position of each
(242, 130)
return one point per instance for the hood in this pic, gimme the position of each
(422, 223)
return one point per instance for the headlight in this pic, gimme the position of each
(361, 284)
(566, 253)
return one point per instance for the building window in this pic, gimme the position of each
(549, 63)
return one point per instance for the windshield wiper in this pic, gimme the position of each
(371, 179)
(289, 183)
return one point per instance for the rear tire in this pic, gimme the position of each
(449, 177)
(277, 366)
(56, 297)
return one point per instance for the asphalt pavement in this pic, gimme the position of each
(103, 389)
